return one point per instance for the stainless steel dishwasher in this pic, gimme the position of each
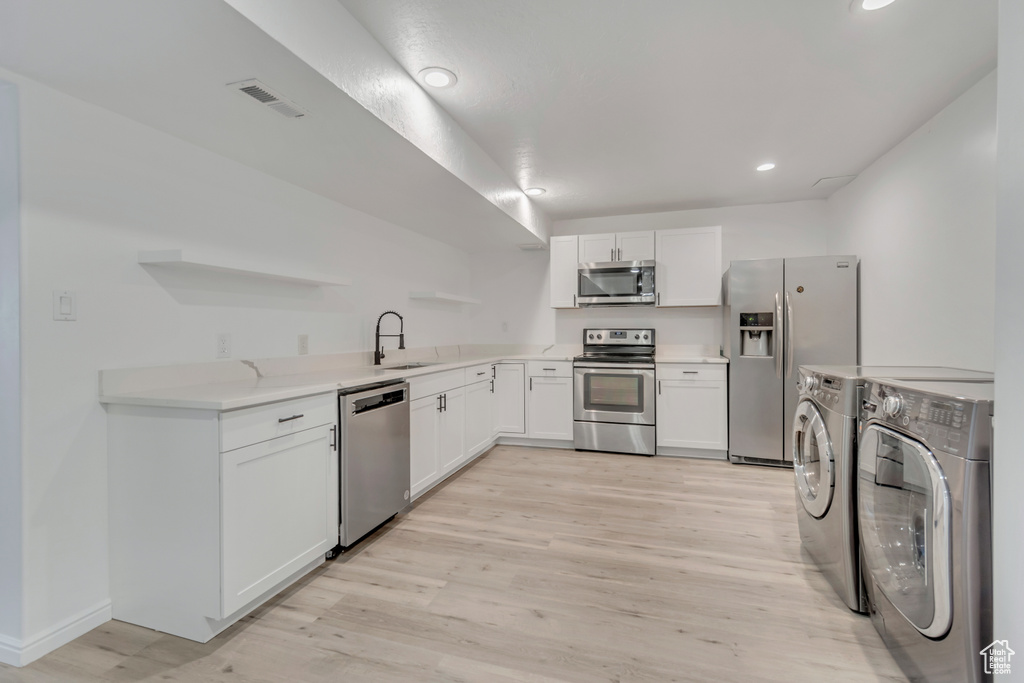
(374, 448)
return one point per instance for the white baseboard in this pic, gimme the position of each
(535, 443)
(20, 653)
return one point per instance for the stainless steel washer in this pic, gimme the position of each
(824, 462)
(925, 523)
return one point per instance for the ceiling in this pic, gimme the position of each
(614, 106)
(620, 106)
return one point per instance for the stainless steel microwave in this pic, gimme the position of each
(616, 283)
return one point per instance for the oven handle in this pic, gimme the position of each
(624, 367)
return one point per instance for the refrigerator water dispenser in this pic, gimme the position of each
(756, 334)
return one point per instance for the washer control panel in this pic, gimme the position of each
(940, 422)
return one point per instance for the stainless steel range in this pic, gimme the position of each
(613, 402)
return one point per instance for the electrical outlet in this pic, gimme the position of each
(303, 344)
(223, 345)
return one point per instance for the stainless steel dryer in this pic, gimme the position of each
(824, 464)
(925, 523)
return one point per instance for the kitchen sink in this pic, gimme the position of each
(410, 366)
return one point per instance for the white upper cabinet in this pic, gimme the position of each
(689, 270)
(563, 269)
(635, 246)
(622, 246)
(597, 248)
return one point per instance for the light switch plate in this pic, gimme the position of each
(65, 305)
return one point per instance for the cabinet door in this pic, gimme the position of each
(693, 414)
(597, 248)
(451, 440)
(276, 499)
(689, 271)
(479, 417)
(550, 401)
(635, 246)
(510, 398)
(424, 463)
(562, 270)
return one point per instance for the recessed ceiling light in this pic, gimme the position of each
(870, 5)
(766, 167)
(535, 191)
(436, 77)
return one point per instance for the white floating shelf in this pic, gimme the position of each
(442, 296)
(189, 260)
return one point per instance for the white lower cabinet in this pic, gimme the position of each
(424, 446)
(550, 405)
(212, 513)
(480, 414)
(692, 410)
(451, 433)
(274, 499)
(510, 398)
(437, 435)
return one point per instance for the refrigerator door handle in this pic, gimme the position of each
(789, 337)
(777, 343)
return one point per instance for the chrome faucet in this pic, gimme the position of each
(378, 350)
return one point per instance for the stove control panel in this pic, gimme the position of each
(623, 337)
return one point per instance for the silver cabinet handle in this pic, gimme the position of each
(548, 369)
(289, 419)
(334, 438)
(612, 257)
(531, 384)
(690, 372)
(492, 386)
(777, 342)
(444, 402)
(439, 403)
(658, 302)
(789, 336)
(659, 387)
(480, 373)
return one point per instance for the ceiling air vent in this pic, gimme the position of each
(268, 98)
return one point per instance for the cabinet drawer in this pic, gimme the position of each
(692, 371)
(428, 385)
(549, 368)
(252, 425)
(479, 373)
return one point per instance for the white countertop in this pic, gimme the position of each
(222, 395)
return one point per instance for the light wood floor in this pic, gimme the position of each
(538, 565)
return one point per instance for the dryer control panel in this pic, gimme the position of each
(941, 422)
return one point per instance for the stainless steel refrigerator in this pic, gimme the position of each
(781, 314)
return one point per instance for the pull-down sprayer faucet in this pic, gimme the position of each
(378, 350)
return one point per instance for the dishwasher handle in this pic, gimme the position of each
(378, 400)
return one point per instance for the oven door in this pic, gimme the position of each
(613, 393)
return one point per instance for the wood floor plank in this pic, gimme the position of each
(544, 566)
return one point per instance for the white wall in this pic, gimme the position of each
(922, 219)
(1008, 459)
(515, 286)
(10, 378)
(96, 188)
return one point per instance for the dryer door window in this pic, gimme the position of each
(813, 460)
(904, 507)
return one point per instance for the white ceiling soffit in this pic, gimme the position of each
(126, 56)
(623, 106)
(325, 36)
